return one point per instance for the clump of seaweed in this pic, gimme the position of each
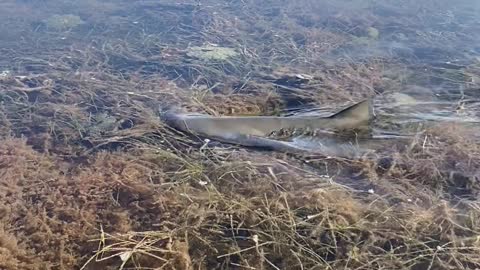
(210, 52)
(444, 159)
(63, 22)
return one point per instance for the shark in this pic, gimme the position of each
(256, 131)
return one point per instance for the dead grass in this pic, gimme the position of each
(443, 160)
(157, 207)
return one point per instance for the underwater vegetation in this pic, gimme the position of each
(91, 178)
(63, 22)
(211, 52)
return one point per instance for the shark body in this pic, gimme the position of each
(253, 131)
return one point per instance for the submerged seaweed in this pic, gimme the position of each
(211, 52)
(90, 177)
(63, 22)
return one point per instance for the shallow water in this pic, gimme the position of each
(430, 49)
(80, 87)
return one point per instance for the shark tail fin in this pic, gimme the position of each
(359, 114)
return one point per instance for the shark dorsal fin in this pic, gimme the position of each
(362, 112)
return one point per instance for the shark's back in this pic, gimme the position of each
(247, 130)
